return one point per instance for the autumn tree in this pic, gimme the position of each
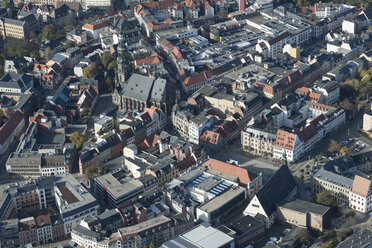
(96, 170)
(48, 54)
(303, 236)
(106, 59)
(2, 117)
(333, 147)
(326, 198)
(90, 71)
(109, 84)
(344, 233)
(78, 139)
(345, 150)
(112, 65)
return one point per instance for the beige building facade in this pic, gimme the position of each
(258, 141)
(325, 180)
(304, 214)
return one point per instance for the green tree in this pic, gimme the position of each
(90, 71)
(326, 198)
(49, 32)
(78, 139)
(6, 4)
(68, 45)
(330, 243)
(68, 22)
(96, 170)
(343, 234)
(20, 47)
(333, 147)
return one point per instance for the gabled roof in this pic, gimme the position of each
(148, 61)
(362, 186)
(245, 176)
(276, 189)
(190, 4)
(285, 140)
(138, 87)
(160, 91)
(279, 38)
(10, 125)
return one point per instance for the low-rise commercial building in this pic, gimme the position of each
(113, 192)
(245, 231)
(202, 236)
(73, 201)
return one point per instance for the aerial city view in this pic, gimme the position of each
(186, 123)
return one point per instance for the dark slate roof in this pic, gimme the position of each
(88, 155)
(62, 96)
(15, 81)
(340, 164)
(362, 239)
(276, 189)
(160, 91)
(138, 87)
(53, 44)
(306, 207)
(86, 232)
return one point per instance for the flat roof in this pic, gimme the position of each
(245, 224)
(67, 194)
(117, 189)
(226, 176)
(305, 207)
(207, 236)
(222, 199)
(157, 221)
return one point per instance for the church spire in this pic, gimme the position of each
(284, 158)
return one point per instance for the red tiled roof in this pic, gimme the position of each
(285, 140)
(279, 38)
(194, 79)
(314, 96)
(210, 137)
(190, 4)
(40, 67)
(361, 186)
(186, 163)
(10, 125)
(169, 20)
(148, 142)
(152, 110)
(245, 176)
(146, 117)
(303, 91)
(319, 106)
(148, 61)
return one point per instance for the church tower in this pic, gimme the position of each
(122, 60)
